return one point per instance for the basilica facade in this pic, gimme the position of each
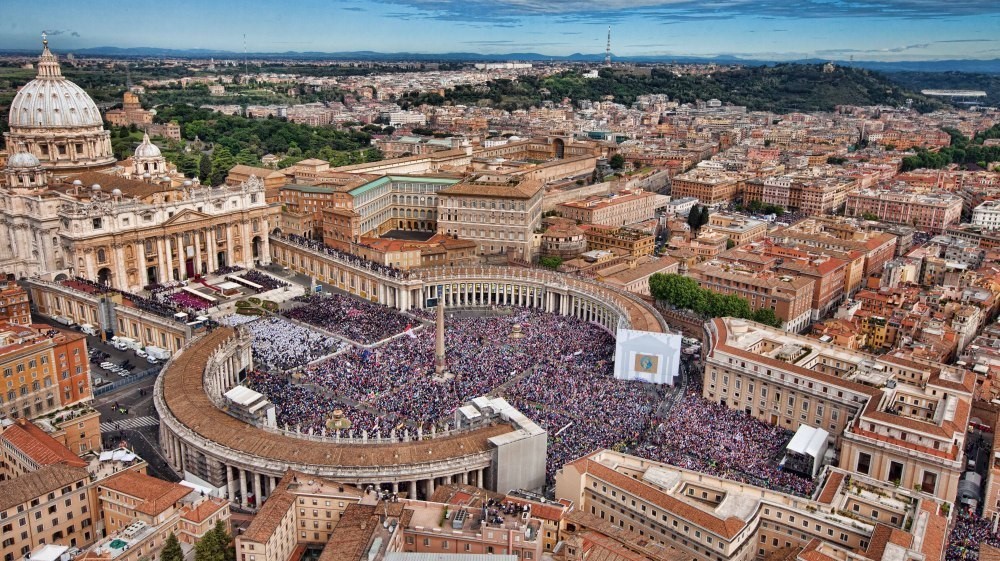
(128, 225)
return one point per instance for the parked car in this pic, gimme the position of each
(151, 360)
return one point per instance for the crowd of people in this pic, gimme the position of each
(189, 301)
(355, 319)
(279, 344)
(714, 439)
(266, 282)
(968, 534)
(153, 305)
(227, 270)
(356, 260)
(559, 374)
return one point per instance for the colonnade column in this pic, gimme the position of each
(413, 489)
(256, 488)
(243, 486)
(231, 481)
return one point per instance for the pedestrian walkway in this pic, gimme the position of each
(128, 424)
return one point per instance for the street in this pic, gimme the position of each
(138, 426)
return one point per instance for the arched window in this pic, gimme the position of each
(102, 256)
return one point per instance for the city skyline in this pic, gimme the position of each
(898, 30)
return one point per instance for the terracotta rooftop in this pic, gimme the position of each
(830, 489)
(39, 446)
(156, 495)
(516, 189)
(727, 528)
(40, 482)
(108, 183)
(205, 509)
(351, 535)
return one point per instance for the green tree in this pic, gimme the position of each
(247, 158)
(172, 549)
(703, 219)
(205, 168)
(215, 545)
(222, 161)
(869, 216)
(188, 165)
(550, 262)
(766, 316)
(617, 162)
(694, 218)
(730, 244)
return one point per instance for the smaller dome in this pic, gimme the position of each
(23, 160)
(147, 149)
(95, 187)
(116, 192)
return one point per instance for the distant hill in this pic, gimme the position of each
(987, 66)
(782, 88)
(989, 83)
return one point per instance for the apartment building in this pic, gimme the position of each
(987, 215)
(501, 213)
(711, 187)
(790, 297)
(713, 519)
(140, 512)
(301, 510)
(622, 209)
(810, 195)
(48, 505)
(737, 229)
(348, 524)
(911, 431)
(14, 306)
(625, 240)
(828, 273)
(928, 211)
(844, 236)
(44, 369)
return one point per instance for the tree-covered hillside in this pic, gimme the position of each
(782, 88)
(916, 81)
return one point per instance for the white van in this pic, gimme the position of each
(89, 329)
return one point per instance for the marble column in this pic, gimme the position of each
(231, 482)
(197, 251)
(211, 249)
(479, 477)
(168, 258)
(181, 256)
(229, 245)
(256, 488)
(243, 486)
(413, 490)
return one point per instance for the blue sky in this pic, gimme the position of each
(771, 29)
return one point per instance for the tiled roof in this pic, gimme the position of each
(156, 495)
(351, 535)
(40, 482)
(830, 489)
(727, 528)
(205, 509)
(39, 446)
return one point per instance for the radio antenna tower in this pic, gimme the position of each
(607, 50)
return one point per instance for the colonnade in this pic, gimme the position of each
(247, 486)
(489, 292)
